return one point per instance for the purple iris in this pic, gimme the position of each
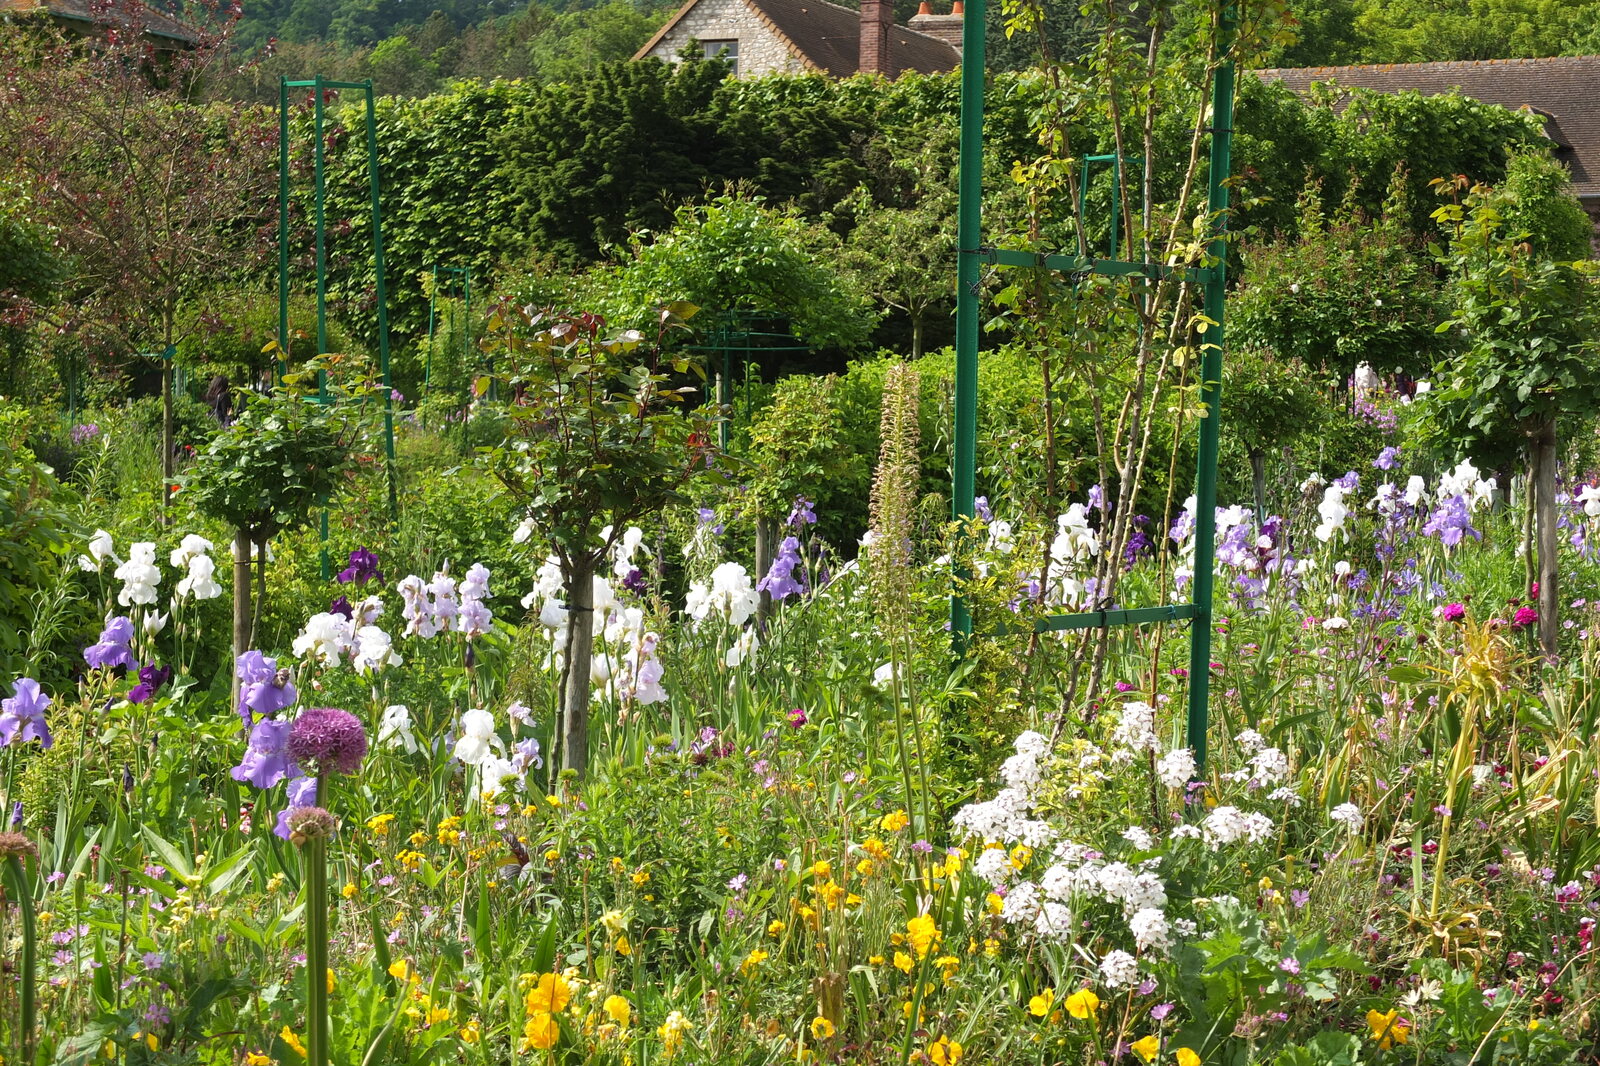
(151, 678)
(363, 568)
(112, 649)
(801, 514)
(1387, 459)
(635, 582)
(786, 577)
(341, 606)
(708, 517)
(1097, 498)
(302, 793)
(22, 716)
(266, 761)
(1451, 522)
(980, 507)
(1350, 482)
(263, 688)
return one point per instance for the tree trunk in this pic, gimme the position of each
(166, 442)
(1258, 478)
(764, 537)
(916, 336)
(575, 699)
(241, 603)
(1545, 523)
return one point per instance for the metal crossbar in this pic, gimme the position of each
(974, 254)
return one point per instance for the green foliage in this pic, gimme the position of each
(283, 456)
(33, 512)
(735, 254)
(1268, 403)
(799, 446)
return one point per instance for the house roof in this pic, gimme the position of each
(827, 38)
(1564, 91)
(150, 20)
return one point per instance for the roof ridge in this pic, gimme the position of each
(1446, 64)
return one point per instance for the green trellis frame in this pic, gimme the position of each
(320, 87)
(734, 331)
(464, 273)
(973, 254)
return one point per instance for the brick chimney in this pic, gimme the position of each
(876, 18)
(946, 28)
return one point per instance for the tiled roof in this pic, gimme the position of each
(150, 21)
(1564, 90)
(827, 38)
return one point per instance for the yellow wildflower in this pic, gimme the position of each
(875, 848)
(672, 1031)
(1147, 1048)
(875, 960)
(923, 933)
(379, 824)
(1388, 1029)
(349, 890)
(617, 1009)
(830, 892)
(617, 865)
(1020, 856)
(902, 962)
(1039, 1005)
(894, 821)
(994, 903)
(330, 982)
(1188, 1057)
(821, 869)
(776, 929)
(288, 1037)
(554, 801)
(866, 868)
(540, 1032)
(550, 994)
(752, 960)
(148, 1040)
(1083, 1004)
(944, 1052)
(410, 860)
(948, 965)
(821, 1028)
(552, 855)
(623, 947)
(640, 877)
(470, 1033)
(418, 838)
(258, 1058)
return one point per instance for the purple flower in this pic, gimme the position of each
(786, 577)
(1299, 897)
(1290, 965)
(363, 568)
(1161, 1010)
(922, 847)
(151, 678)
(1097, 498)
(302, 793)
(22, 716)
(736, 886)
(1453, 612)
(708, 517)
(263, 688)
(82, 434)
(1525, 616)
(331, 740)
(112, 649)
(1350, 482)
(1387, 459)
(525, 754)
(635, 582)
(1451, 522)
(266, 761)
(801, 514)
(980, 507)
(156, 1014)
(341, 606)
(797, 718)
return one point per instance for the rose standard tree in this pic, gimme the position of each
(604, 436)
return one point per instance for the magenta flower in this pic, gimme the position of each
(797, 718)
(1453, 612)
(1525, 617)
(328, 739)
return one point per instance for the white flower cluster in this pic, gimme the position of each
(729, 595)
(330, 638)
(1135, 731)
(1229, 825)
(1347, 815)
(1331, 512)
(1464, 481)
(193, 556)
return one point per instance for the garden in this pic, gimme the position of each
(583, 652)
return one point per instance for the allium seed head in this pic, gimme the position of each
(331, 740)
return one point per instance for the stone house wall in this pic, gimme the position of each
(760, 50)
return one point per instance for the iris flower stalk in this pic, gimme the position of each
(15, 849)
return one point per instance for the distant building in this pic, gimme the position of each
(1564, 92)
(794, 36)
(86, 18)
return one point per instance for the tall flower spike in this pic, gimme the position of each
(894, 494)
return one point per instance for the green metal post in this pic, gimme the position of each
(322, 295)
(283, 227)
(1211, 392)
(969, 237)
(427, 365)
(383, 308)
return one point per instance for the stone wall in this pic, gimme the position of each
(760, 50)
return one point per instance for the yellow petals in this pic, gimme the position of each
(1147, 1048)
(470, 1033)
(1188, 1057)
(1388, 1029)
(751, 961)
(776, 929)
(259, 1058)
(288, 1037)
(617, 1009)
(923, 934)
(378, 824)
(902, 962)
(944, 1052)
(821, 1028)
(349, 890)
(330, 982)
(1039, 1005)
(550, 994)
(540, 1032)
(1083, 1004)
(894, 821)
(623, 947)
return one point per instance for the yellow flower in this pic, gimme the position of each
(893, 822)
(470, 1033)
(401, 970)
(552, 855)
(874, 847)
(776, 929)
(671, 1032)
(865, 867)
(148, 1039)
(948, 965)
(902, 962)
(1188, 1057)
(330, 982)
(410, 860)
(257, 1058)
(991, 946)
(379, 825)
(349, 890)
(1148, 1047)
(994, 903)
(418, 838)
(923, 933)
(944, 1052)
(821, 1028)
(1083, 1004)
(617, 1009)
(830, 892)
(1039, 1005)
(617, 865)
(752, 960)
(1388, 1029)
(821, 869)
(623, 947)
(438, 1014)
(288, 1037)
(1020, 856)
(554, 801)
(640, 877)
(549, 995)
(540, 1032)
(875, 960)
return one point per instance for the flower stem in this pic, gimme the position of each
(17, 886)
(316, 873)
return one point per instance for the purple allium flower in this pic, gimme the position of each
(151, 678)
(112, 649)
(22, 716)
(82, 434)
(331, 740)
(309, 823)
(363, 568)
(1525, 616)
(922, 847)
(266, 762)
(302, 793)
(797, 718)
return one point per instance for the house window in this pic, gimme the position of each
(728, 50)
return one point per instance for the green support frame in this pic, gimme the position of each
(974, 255)
(320, 87)
(464, 273)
